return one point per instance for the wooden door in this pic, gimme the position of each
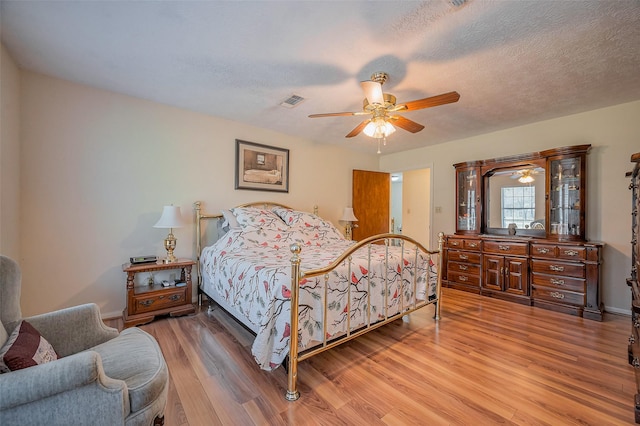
(493, 272)
(371, 196)
(517, 275)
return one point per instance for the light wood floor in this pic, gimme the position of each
(485, 362)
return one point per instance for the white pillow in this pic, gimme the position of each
(230, 220)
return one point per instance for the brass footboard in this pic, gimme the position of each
(297, 275)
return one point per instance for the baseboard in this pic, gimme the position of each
(111, 315)
(618, 311)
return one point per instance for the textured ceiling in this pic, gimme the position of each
(513, 62)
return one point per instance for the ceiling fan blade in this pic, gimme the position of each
(406, 124)
(358, 129)
(445, 98)
(373, 92)
(334, 114)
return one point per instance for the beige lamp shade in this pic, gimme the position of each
(348, 216)
(171, 218)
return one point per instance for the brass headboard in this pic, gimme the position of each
(200, 217)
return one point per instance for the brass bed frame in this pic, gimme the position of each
(297, 274)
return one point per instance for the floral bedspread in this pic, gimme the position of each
(250, 268)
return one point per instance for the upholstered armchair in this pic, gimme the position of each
(101, 377)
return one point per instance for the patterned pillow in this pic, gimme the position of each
(251, 217)
(309, 224)
(298, 218)
(25, 348)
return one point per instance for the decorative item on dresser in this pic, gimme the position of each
(632, 281)
(145, 302)
(521, 232)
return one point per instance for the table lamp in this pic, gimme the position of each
(170, 218)
(349, 218)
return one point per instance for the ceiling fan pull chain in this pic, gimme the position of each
(378, 139)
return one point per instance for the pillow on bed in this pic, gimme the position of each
(230, 221)
(298, 218)
(251, 217)
(308, 223)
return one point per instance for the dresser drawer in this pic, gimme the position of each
(465, 268)
(461, 256)
(552, 251)
(572, 252)
(462, 278)
(562, 283)
(473, 245)
(544, 250)
(148, 302)
(559, 296)
(576, 270)
(463, 243)
(506, 247)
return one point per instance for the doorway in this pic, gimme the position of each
(411, 204)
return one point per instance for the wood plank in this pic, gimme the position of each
(487, 361)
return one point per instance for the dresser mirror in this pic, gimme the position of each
(515, 201)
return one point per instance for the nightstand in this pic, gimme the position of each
(145, 302)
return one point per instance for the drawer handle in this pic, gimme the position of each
(556, 282)
(463, 267)
(504, 248)
(147, 302)
(463, 278)
(556, 295)
(571, 252)
(636, 324)
(464, 257)
(474, 245)
(175, 297)
(556, 268)
(543, 250)
(455, 243)
(635, 362)
(632, 340)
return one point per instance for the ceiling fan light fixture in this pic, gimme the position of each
(378, 128)
(526, 178)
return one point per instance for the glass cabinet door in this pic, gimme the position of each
(467, 200)
(566, 198)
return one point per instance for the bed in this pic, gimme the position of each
(262, 176)
(301, 287)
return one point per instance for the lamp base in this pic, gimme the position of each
(170, 245)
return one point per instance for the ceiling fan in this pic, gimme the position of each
(382, 108)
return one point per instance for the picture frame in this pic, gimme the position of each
(261, 167)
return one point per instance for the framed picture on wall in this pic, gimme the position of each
(261, 167)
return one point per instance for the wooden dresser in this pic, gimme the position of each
(562, 276)
(632, 281)
(521, 232)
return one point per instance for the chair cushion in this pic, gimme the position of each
(24, 348)
(135, 357)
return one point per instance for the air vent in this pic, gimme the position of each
(292, 101)
(458, 3)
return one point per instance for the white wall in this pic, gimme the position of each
(614, 134)
(9, 156)
(97, 167)
(416, 208)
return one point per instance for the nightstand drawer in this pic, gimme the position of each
(147, 302)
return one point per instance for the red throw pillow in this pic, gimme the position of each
(25, 348)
